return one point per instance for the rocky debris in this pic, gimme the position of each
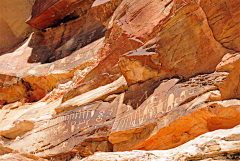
(14, 30)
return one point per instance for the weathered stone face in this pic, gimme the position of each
(132, 128)
(69, 130)
(119, 75)
(14, 30)
(230, 87)
(223, 16)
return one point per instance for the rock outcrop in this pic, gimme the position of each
(14, 30)
(117, 79)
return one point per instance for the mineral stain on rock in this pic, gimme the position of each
(119, 80)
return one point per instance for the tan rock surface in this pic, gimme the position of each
(228, 62)
(230, 87)
(13, 15)
(223, 16)
(103, 10)
(118, 86)
(84, 130)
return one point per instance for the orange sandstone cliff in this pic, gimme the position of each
(119, 80)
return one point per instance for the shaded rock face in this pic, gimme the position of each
(119, 75)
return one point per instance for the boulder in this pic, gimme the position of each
(228, 62)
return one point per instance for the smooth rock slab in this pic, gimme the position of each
(99, 93)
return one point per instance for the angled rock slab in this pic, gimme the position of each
(100, 93)
(185, 46)
(127, 32)
(228, 62)
(101, 80)
(230, 88)
(86, 127)
(18, 76)
(133, 128)
(51, 12)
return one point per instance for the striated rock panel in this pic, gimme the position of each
(84, 130)
(223, 16)
(185, 51)
(164, 110)
(101, 80)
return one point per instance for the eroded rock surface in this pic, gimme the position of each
(119, 75)
(13, 15)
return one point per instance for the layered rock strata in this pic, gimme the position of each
(118, 75)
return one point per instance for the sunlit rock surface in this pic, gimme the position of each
(119, 80)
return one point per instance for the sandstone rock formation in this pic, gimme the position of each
(217, 145)
(13, 15)
(117, 79)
